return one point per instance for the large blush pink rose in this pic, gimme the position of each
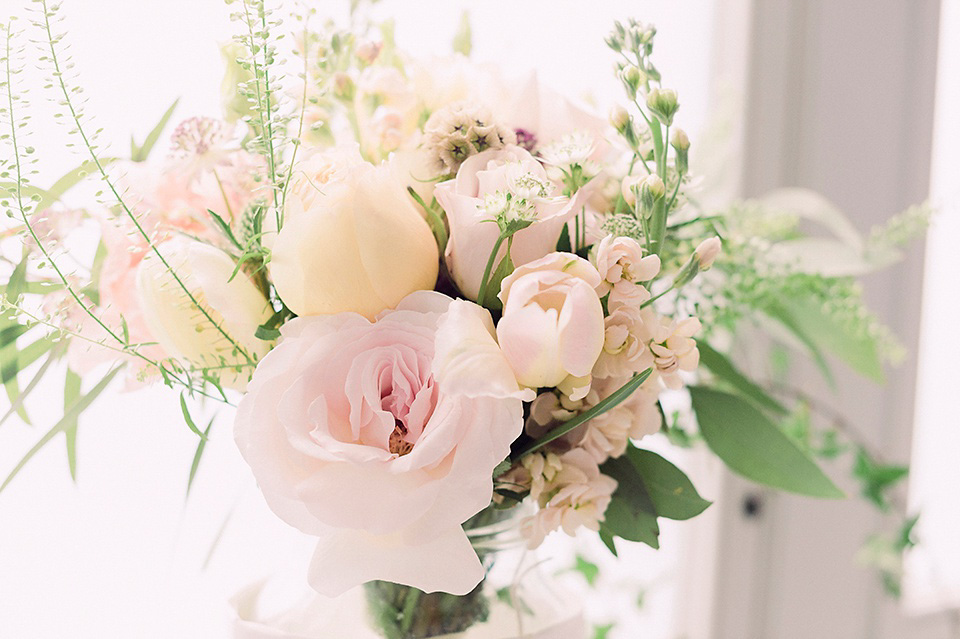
(473, 233)
(380, 438)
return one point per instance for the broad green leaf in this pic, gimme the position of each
(753, 446)
(201, 445)
(622, 521)
(15, 361)
(600, 408)
(70, 180)
(782, 315)
(670, 490)
(141, 153)
(631, 514)
(71, 391)
(721, 366)
(876, 479)
(71, 415)
(858, 351)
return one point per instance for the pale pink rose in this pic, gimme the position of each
(473, 232)
(552, 326)
(381, 441)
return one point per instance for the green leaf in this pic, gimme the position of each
(141, 153)
(225, 228)
(71, 390)
(504, 269)
(722, 368)
(70, 180)
(602, 632)
(588, 569)
(670, 490)
(563, 244)
(857, 350)
(463, 40)
(876, 479)
(18, 281)
(187, 418)
(780, 314)
(600, 408)
(754, 447)
(16, 406)
(624, 521)
(14, 361)
(607, 538)
(201, 445)
(71, 415)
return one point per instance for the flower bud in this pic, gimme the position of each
(619, 118)
(368, 51)
(631, 77)
(343, 86)
(651, 190)
(663, 104)
(707, 251)
(628, 189)
(679, 140)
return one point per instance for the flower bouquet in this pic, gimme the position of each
(447, 306)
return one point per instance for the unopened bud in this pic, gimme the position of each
(629, 189)
(679, 140)
(707, 251)
(343, 86)
(663, 104)
(619, 118)
(367, 51)
(631, 77)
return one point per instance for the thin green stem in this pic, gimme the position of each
(489, 268)
(68, 102)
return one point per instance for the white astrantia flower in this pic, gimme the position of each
(573, 148)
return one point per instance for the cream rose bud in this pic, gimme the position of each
(708, 251)
(361, 246)
(552, 327)
(220, 332)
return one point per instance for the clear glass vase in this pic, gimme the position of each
(515, 600)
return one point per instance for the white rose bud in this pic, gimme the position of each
(360, 247)
(707, 251)
(628, 189)
(619, 118)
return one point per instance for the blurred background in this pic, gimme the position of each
(856, 99)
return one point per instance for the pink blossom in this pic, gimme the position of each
(552, 326)
(473, 231)
(381, 439)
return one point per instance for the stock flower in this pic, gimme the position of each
(552, 327)
(381, 439)
(623, 267)
(624, 351)
(488, 176)
(672, 345)
(361, 246)
(608, 434)
(226, 321)
(570, 491)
